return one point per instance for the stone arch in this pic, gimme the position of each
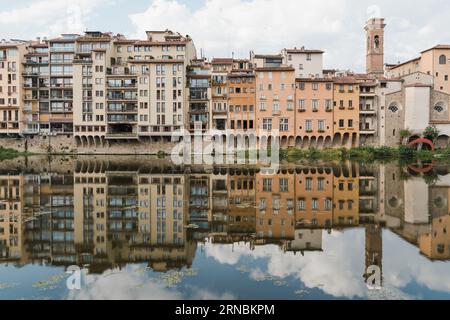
(442, 141)
(263, 142)
(298, 142)
(328, 142)
(284, 141)
(291, 141)
(355, 141)
(337, 140)
(346, 139)
(320, 142)
(84, 141)
(77, 141)
(313, 142)
(305, 143)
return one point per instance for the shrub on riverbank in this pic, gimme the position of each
(365, 154)
(9, 153)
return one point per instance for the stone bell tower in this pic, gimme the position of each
(375, 45)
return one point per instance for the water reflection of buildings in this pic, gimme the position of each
(108, 213)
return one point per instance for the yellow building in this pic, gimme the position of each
(346, 197)
(346, 111)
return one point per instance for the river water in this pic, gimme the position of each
(143, 228)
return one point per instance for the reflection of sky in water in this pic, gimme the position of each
(236, 272)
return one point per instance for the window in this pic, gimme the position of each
(267, 124)
(350, 123)
(308, 184)
(284, 124)
(315, 105)
(393, 108)
(341, 123)
(267, 185)
(284, 185)
(321, 125)
(439, 108)
(309, 126)
(315, 204)
(315, 86)
(442, 59)
(276, 107)
(301, 104)
(301, 204)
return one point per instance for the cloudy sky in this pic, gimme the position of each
(222, 27)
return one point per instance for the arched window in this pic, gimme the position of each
(442, 59)
(439, 108)
(377, 42)
(393, 108)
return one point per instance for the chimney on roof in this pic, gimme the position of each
(38, 39)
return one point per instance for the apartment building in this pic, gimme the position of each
(242, 207)
(275, 104)
(346, 197)
(200, 92)
(11, 220)
(221, 67)
(314, 119)
(11, 87)
(275, 201)
(346, 111)
(133, 89)
(241, 103)
(368, 109)
(314, 198)
(434, 61)
(58, 119)
(306, 62)
(36, 80)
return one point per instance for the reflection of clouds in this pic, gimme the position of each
(337, 271)
(132, 283)
(404, 265)
(126, 284)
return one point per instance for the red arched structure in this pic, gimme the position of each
(424, 169)
(425, 141)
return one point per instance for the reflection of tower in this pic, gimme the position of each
(375, 45)
(374, 249)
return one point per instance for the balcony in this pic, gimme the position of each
(367, 131)
(122, 97)
(122, 118)
(27, 107)
(31, 130)
(367, 111)
(124, 109)
(29, 97)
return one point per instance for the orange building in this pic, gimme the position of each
(241, 209)
(346, 112)
(346, 197)
(314, 196)
(241, 102)
(275, 202)
(275, 94)
(314, 125)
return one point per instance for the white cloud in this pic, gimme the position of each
(337, 271)
(222, 27)
(47, 18)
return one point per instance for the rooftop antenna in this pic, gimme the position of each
(232, 55)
